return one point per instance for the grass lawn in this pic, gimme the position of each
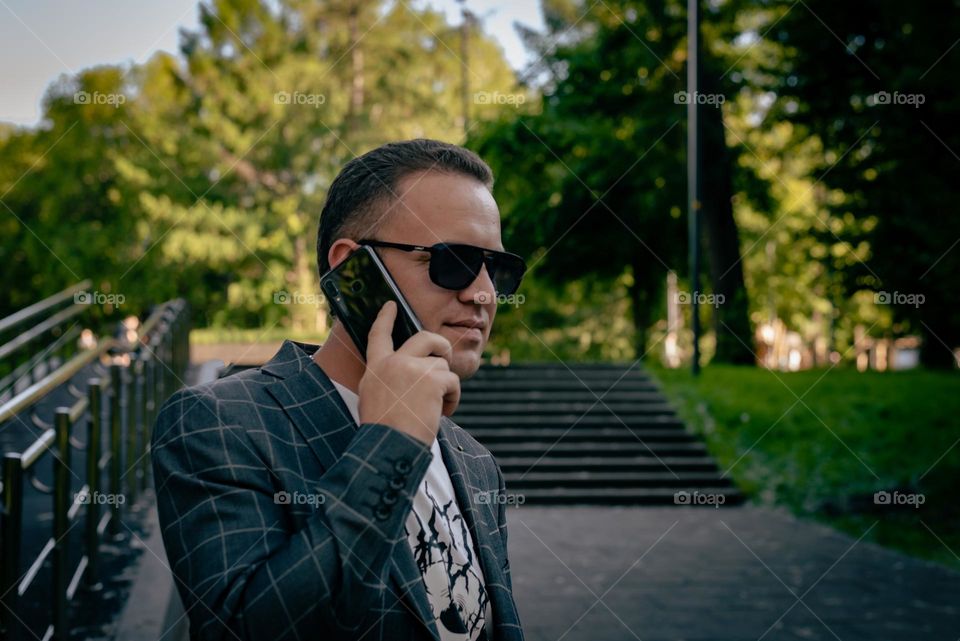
(849, 435)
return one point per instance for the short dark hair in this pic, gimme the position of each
(369, 182)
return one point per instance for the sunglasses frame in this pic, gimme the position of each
(438, 246)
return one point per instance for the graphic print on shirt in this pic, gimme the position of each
(444, 559)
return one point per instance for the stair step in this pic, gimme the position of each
(581, 396)
(522, 464)
(580, 434)
(589, 433)
(580, 479)
(635, 448)
(560, 372)
(473, 408)
(599, 365)
(599, 387)
(566, 420)
(628, 496)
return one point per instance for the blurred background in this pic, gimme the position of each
(780, 273)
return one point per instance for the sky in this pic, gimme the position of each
(41, 39)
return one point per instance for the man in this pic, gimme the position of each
(322, 496)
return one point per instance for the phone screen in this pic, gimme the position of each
(357, 289)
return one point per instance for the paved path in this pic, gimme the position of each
(706, 574)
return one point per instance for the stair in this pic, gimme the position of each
(588, 433)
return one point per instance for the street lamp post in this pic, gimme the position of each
(694, 166)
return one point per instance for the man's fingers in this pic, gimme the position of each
(451, 396)
(380, 338)
(425, 343)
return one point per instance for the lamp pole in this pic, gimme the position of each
(694, 166)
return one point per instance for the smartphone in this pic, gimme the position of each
(357, 289)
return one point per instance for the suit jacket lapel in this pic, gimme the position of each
(479, 516)
(318, 412)
(311, 401)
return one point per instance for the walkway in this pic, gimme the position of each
(671, 573)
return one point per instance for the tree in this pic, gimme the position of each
(876, 83)
(205, 176)
(267, 106)
(607, 152)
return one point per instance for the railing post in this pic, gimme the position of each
(138, 416)
(130, 386)
(183, 338)
(61, 526)
(154, 380)
(116, 451)
(130, 434)
(143, 372)
(11, 532)
(166, 375)
(94, 431)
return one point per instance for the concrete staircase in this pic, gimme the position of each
(588, 434)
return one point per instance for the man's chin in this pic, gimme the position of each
(466, 362)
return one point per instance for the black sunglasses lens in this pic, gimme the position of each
(455, 266)
(507, 272)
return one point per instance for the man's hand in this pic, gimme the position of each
(407, 389)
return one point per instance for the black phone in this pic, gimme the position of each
(357, 289)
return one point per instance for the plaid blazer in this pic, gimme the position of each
(283, 519)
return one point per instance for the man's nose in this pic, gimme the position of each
(482, 284)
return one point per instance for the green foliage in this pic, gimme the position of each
(589, 179)
(203, 174)
(582, 321)
(208, 179)
(879, 89)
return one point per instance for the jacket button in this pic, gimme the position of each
(388, 498)
(402, 466)
(382, 513)
(397, 482)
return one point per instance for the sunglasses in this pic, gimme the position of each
(455, 265)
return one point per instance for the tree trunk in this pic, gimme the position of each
(639, 311)
(730, 313)
(936, 350)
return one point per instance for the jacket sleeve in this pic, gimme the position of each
(240, 569)
(502, 525)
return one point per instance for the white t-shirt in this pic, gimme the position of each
(442, 548)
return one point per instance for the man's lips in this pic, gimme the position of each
(470, 329)
(479, 324)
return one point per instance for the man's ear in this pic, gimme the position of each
(340, 250)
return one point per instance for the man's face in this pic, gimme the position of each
(438, 207)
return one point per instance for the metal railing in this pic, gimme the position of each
(54, 322)
(120, 407)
